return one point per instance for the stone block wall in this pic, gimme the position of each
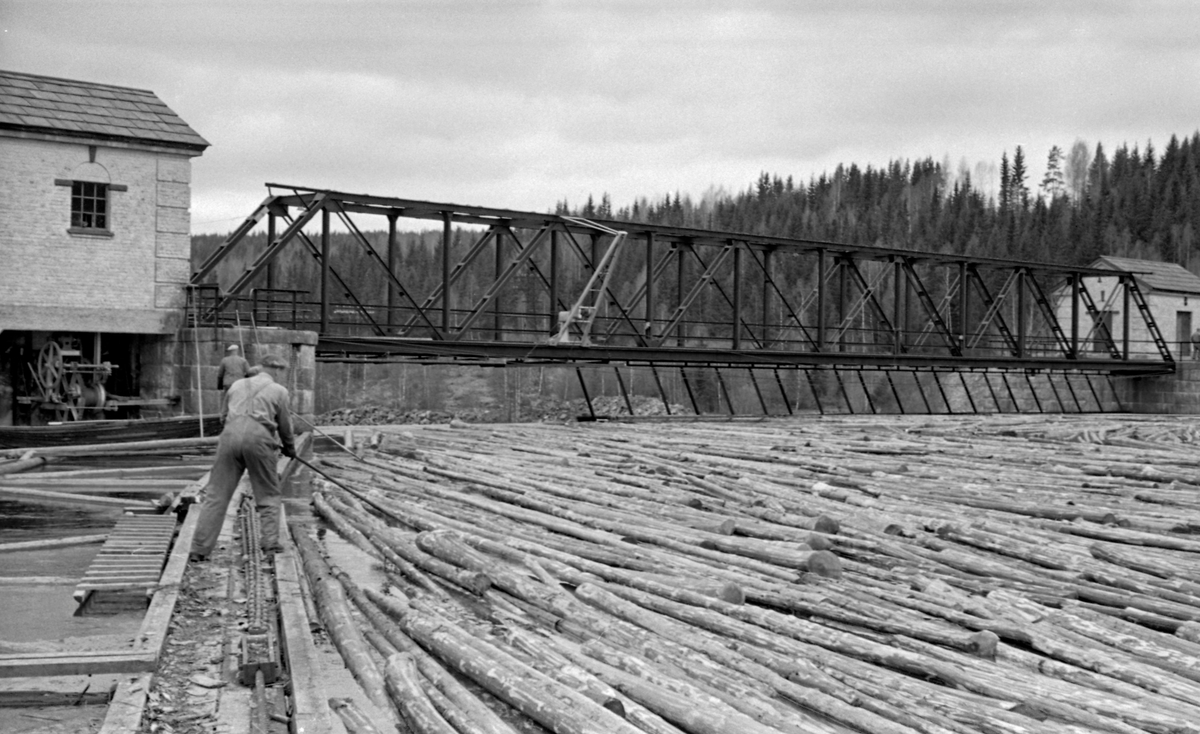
(199, 357)
(1177, 394)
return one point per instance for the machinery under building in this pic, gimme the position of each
(95, 249)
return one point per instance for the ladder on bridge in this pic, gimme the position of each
(1151, 325)
(582, 314)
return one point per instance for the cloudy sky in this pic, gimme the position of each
(522, 104)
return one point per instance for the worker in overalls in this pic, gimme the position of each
(255, 413)
(233, 368)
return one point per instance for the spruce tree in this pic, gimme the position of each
(1018, 191)
(1005, 183)
(1053, 185)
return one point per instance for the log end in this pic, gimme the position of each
(825, 563)
(826, 524)
(476, 583)
(983, 644)
(725, 527)
(1189, 631)
(947, 530)
(614, 705)
(819, 542)
(1025, 708)
(727, 592)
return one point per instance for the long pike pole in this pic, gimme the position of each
(339, 444)
(333, 481)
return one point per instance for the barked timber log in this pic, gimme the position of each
(851, 574)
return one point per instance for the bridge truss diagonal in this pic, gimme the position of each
(519, 288)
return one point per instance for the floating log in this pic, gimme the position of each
(21, 465)
(406, 691)
(27, 545)
(551, 704)
(45, 495)
(108, 449)
(343, 630)
(37, 581)
(355, 721)
(966, 591)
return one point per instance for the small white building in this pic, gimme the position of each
(95, 245)
(1172, 294)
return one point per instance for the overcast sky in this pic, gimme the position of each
(521, 104)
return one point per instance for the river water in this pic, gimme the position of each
(33, 612)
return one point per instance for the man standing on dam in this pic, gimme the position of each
(255, 413)
(233, 368)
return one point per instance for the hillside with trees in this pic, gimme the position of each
(1130, 203)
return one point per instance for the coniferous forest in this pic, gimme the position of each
(1127, 202)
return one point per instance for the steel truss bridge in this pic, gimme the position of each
(537, 289)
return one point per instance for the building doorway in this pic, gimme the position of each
(1183, 332)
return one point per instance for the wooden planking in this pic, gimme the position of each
(34, 665)
(124, 713)
(121, 585)
(129, 701)
(153, 633)
(311, 713)
(39, 698)
(131, 558)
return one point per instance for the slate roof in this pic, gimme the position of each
(1155, 275)
(85, 109)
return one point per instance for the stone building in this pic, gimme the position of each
(95, 258)
(1172, 294)
(95, 247)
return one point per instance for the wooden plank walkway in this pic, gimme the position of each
(139, 537)
(98, 662)
(129, 700)
(131, 558)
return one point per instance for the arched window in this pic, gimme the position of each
(91, 201)
(89, 205)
